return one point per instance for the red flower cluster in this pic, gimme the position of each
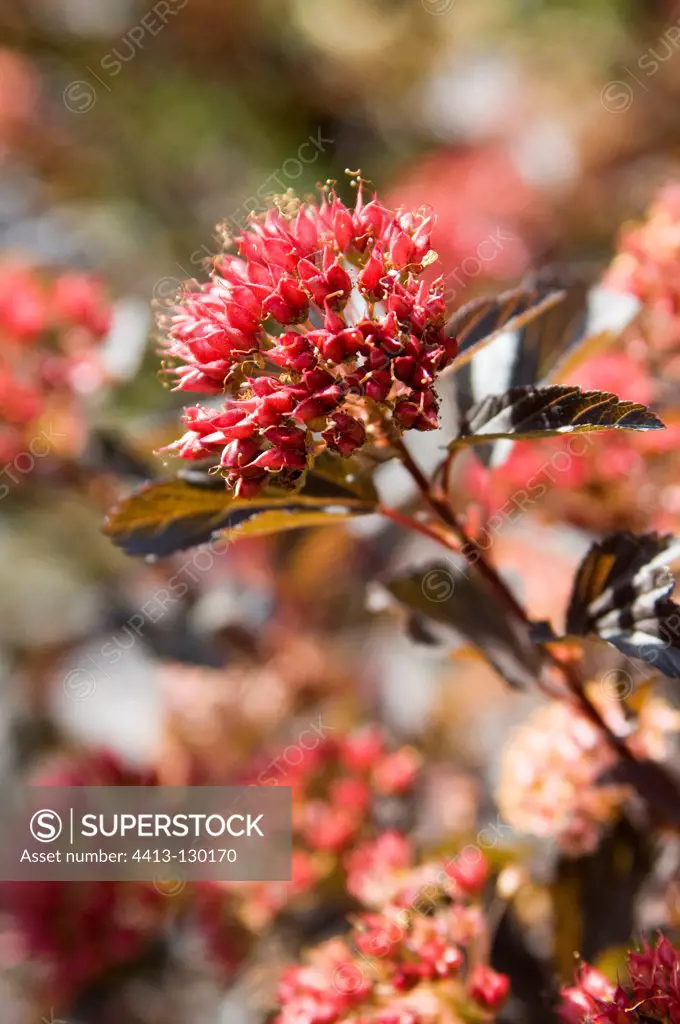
(49, 332)
(382, 870)
(72, 932)
(653, 991)
(321, 307)
(414, 961)
(334, 786)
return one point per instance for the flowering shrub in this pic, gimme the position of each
(646, 266)
(58, 927)
(317, 344)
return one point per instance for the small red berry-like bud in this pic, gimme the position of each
(293, 351)
(400, 250)
(406, 413)
(288, 304)
(248, 487)
(339, 285)
(343, 227)
(286, 437)
(378, 385)
(239, 453)
(370, 278)
(241, 317)
(272, 406)
(305, 231)
(333, 348)
(345, 434)
(488, 987)
(319, 404)
(280, 458)
(401, 304)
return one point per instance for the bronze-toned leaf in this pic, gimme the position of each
(594, 896)
(172, 515)
(546, 349)
(621, 594)
(530, 412)
(478, 322)
(459, 599)
(279, 520)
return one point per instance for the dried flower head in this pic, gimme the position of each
(319, 316)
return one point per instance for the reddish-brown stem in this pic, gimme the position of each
(468, 548)
(475, 557)
(415, 524)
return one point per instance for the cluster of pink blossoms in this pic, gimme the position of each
(652, 994)
(414, 961)
(334, 788)
(321, 310)
(552, 768)
(50, 330)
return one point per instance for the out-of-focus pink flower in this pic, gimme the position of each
(73, 932)
(489, 987)
(485, 212)
(19, 90)
(374, 867)
(552, 768)
(403, 964)
(50, 334)
(581, 1001)
(648, 265)
(335, 832)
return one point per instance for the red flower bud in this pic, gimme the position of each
(370, 278)
(488, 987)
(345, 434)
